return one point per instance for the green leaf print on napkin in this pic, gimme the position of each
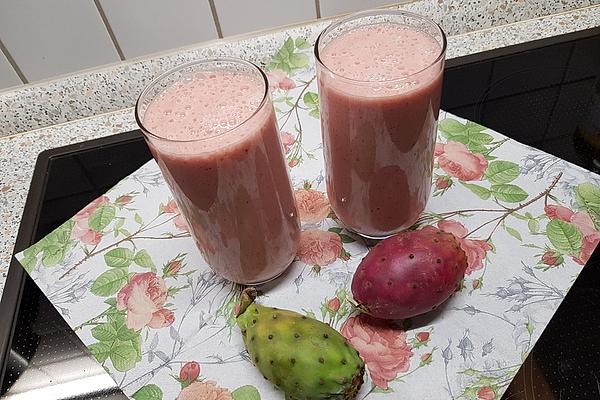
(450, 127)
(143, 259)
(499, 172)
(302, 43)
(288, 58)
(148, 392)
(513, 232)
(116, 342)
(100, 351)
(508, 193)
(53, 247)
(480, 191)
(120, 257)
(247, 392)
(469, 134)
(123, 356)
(588, 198)
(109, 282)
(102, 217)
(564, 236)
(311, 100)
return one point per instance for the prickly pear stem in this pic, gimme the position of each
(357, 306)
(247, 298)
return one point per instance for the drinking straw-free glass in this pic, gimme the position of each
(379, 76)
(211, 128)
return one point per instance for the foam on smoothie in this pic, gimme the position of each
(382, 53)
(204, 105)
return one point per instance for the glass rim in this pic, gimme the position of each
(367, 13)
(173, 70)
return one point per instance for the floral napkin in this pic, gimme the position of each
(126, 276)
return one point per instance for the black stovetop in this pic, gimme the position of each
(539, 93)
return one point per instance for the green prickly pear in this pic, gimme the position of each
(305, 358)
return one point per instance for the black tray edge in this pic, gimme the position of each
(13, 287)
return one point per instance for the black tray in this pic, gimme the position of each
(528, 83)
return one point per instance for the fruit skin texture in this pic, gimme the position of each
(409, 273)
(303, 357)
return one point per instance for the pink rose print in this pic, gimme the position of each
(558, 212)
(143, 298)
(458, 161)
(123, 200)
(439, 149)
(81, 231)
(319, 247)
(189, 372)
(161, 319)
(171, 207)
(475, 249)
(552, 258)
(591, 237)
(486, 393)
(205, 390)
(89, 236)
(313, 206)
(333, 304)
(442, 183)
(422, 336)
(293, 162)
(287, 140)
(380, 345)
(180, 223)
(583, 222)
(426, 358)
(172, 268)
(279, 80)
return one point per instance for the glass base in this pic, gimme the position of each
(371, 237)
(265, 281)
(272, 278)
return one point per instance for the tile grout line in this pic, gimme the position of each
(318, 8)
(213, 10)
(12, 62)
(111, 33)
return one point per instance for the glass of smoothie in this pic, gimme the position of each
(211, 127)
(380, 76)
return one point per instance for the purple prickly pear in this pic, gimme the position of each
(409, 273)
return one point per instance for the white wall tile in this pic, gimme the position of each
(335, 7)
(239, 16)
(52, 37)
(8, 76)
(148, 26)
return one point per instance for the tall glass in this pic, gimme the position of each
(211, 127)
(379, 76)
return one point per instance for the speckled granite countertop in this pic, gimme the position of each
(18, 152)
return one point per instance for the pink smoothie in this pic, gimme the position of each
(224, 164)
(379, 113)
